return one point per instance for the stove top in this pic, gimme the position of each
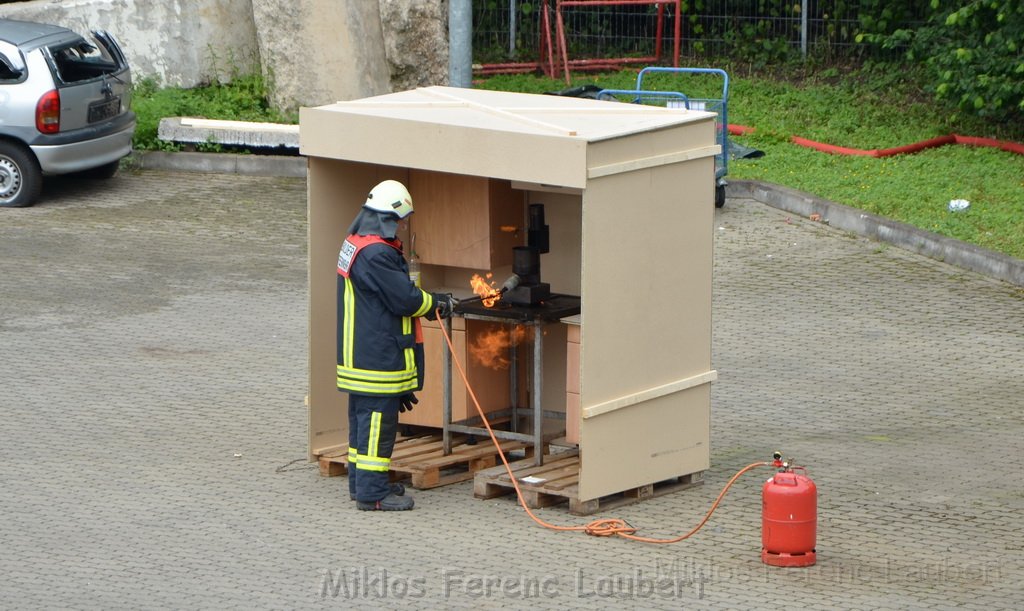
(553, 308)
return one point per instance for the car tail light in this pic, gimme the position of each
(48, 112)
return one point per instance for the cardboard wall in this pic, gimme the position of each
(628, 196)
(647, 248)
(336, 191)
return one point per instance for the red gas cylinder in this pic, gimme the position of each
(789, 520)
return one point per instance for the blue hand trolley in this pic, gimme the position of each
(677, 99)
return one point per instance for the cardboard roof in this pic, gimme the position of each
(530, 137)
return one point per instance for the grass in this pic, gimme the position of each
(872, 107)
(243, 99)
(868, 108)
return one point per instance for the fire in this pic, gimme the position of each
(485, 289)
(490, 346)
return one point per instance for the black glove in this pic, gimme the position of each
(406, 402)
(445, 303)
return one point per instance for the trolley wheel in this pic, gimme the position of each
(719, 196)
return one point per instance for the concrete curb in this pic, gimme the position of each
(220, 163)
(247, 134)
(955, 252)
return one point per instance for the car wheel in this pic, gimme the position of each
(102, 172)
(20, 177)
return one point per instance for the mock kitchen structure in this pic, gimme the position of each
(592, 224)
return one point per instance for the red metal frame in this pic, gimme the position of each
(547, 49)
(602, 64)
(544, 46)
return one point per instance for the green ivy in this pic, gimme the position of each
(973, 49)
(974, 52)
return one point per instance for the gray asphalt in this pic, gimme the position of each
(153, 337)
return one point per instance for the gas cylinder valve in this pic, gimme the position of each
(780, 464)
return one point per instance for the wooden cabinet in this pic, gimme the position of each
(572, 384)
(491, 385)
(465, 221)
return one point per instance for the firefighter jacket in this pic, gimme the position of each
(380, 343)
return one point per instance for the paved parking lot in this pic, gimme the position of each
(153, 342)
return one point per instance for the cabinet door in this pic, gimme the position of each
(430, 409)
(487, 360)
(465, 221)
(491, 384)
(572, 385)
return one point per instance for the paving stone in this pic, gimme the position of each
(153, 333)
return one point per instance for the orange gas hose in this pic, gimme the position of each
(605, 527)
(916, 147)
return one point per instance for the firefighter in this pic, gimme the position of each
(380, 343)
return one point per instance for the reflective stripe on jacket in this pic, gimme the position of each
(380, 343)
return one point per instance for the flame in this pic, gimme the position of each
(485, 289)
(490, 347)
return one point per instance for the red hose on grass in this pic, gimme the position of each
(1012, 147)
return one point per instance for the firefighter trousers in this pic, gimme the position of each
(372, 427)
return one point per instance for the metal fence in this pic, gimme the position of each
(510, 30)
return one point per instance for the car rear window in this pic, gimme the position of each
(12, 65)
(83, 60)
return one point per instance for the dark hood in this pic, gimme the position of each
(371, 222)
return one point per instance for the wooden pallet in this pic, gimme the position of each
(422, 459)
(558, 482)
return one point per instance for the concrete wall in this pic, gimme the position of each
(182, 42)
(321, 51)
(416, 42)
(313, 52)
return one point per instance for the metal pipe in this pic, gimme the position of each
(500, 434)
(511, 28)
(513, 377)
(460, 43)
(476, 298)
(803, 28)
(538, 385)
(446, 392)
(511, 283)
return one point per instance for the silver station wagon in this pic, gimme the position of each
(65, 106)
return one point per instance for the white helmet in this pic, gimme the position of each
(390, 196)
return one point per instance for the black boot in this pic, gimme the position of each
(388, 503)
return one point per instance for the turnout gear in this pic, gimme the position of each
(380, 342)
(370, 222)
(373, 424)
(380, 345)
(397, 488)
